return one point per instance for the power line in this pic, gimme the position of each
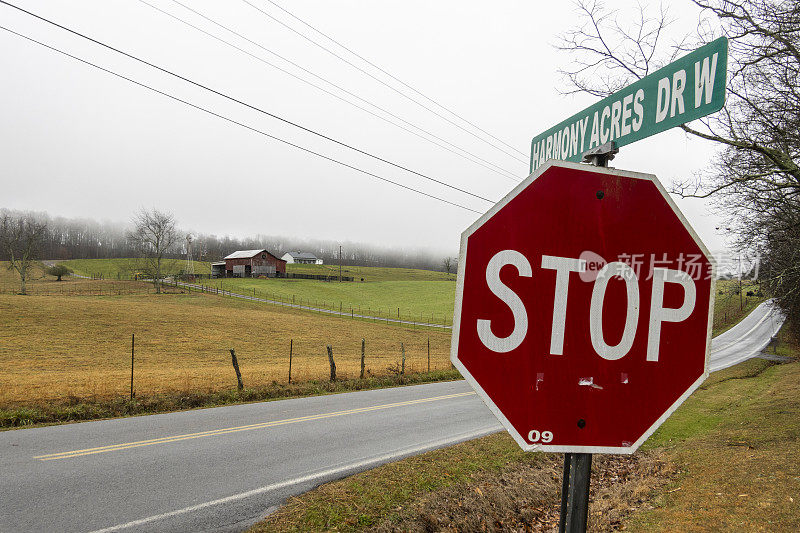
(469, 156)
(251, 128)
(364, 59)
(249, 106)
(404, 95)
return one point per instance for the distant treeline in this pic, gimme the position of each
(84, 238)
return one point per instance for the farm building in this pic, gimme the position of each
(305, 258)
(218, 269)
(249, 263)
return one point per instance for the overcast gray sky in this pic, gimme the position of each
(76, 141)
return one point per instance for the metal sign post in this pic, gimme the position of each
(575, 493)
(578, 466)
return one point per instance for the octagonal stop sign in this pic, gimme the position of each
(583, 309)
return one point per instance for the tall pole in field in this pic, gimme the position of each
(340, 263)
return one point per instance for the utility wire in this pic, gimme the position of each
(251, 128)
(249, 106)
(404, 95)
(466, 154)
(398, 80)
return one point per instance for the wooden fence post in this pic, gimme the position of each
(291, 346)
(363, 342)
(429, 355)
(403, 362)
(239, 384)
(133, 339)
(330, 361)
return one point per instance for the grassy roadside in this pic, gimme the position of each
(488, 484)
(737, 443)
(76, 409)
(726, 460)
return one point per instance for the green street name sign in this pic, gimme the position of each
(688, 88)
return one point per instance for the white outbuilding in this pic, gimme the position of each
(305, 258)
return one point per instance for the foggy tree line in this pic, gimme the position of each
(85, 238)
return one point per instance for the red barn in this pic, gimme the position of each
(253, 263)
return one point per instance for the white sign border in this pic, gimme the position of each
(462, 263)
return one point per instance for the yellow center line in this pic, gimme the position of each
(224, 431)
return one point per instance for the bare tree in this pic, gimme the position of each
(607, 54)
(20, 239)
(154, 234)
(755, 178)
(447, 264)
(761, 114)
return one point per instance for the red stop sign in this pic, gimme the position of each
(583, 309)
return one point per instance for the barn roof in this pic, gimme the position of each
(245, 254)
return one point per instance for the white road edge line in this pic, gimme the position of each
(304, 479)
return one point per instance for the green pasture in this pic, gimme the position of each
(127, 267)
(418, 294)
(415, 300)
(373, 273)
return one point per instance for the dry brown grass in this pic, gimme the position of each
(488, 484)
(524, 496)
(42, 284)
(78, 344)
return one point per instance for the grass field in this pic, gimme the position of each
(71, 339)
(77, 344)
(373, 273)
(424, 301)
(727, 460)
(39, 283)
(419, 295)
(124, 269)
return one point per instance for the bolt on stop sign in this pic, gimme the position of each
(583, 309)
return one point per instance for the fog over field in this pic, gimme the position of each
(79, 142)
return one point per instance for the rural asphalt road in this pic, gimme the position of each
(222, 469)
